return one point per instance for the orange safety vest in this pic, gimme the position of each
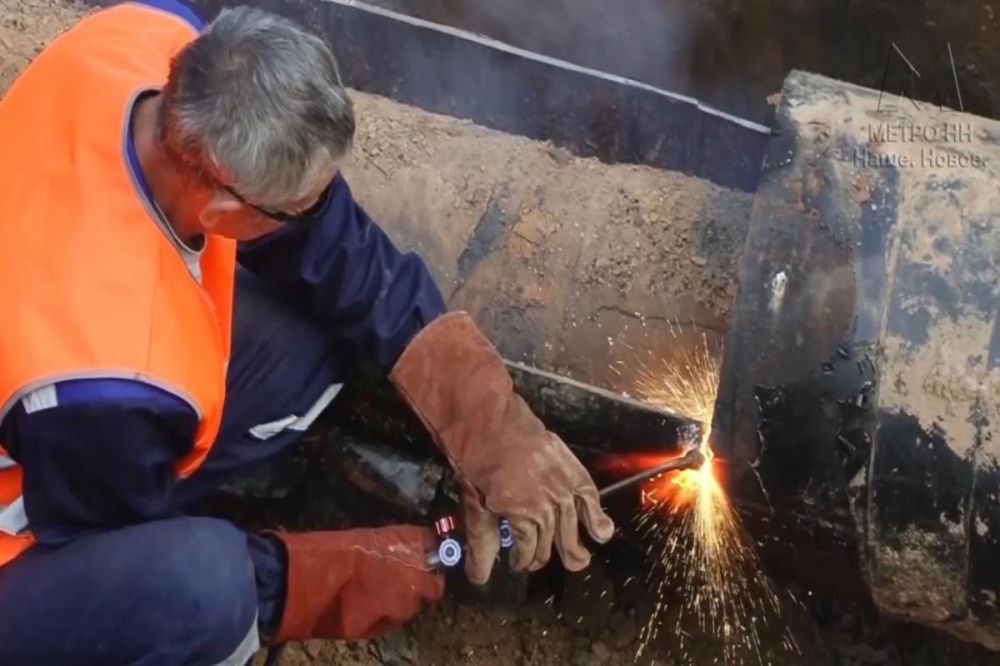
(91, 286)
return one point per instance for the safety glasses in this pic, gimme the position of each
(285, 216)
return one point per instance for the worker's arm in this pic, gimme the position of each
(342, 269)
(97, 454)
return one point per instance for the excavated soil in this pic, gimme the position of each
(25, 28)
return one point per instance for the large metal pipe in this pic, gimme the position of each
(861, 383)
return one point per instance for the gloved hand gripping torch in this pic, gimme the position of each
(451, 546)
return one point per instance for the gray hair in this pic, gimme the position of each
(258, 101)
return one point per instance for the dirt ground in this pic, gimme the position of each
(26, 27)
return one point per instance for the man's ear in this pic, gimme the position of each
(220, 204)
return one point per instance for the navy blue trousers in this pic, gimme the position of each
(188, 590)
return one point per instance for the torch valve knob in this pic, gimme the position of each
(449, 552)
(506, 534)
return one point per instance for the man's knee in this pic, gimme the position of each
(177, 591)
(203, 585)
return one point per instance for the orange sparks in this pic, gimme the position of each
(698, 546)
(676, 490)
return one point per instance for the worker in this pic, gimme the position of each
(187, 282)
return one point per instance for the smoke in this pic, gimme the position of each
(648, 40)
(731, 54)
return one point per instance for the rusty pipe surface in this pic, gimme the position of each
(860, 390)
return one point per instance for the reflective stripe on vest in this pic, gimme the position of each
(13, 519)
(95, 288)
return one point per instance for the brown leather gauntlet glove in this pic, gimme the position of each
(356, 583)
(510, 465)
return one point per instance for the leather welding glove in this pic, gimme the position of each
(511, 466)
(357, 583)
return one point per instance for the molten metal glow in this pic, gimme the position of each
(698, 547)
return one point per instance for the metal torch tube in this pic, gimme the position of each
(691, 460)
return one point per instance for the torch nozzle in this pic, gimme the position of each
(693, 459)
